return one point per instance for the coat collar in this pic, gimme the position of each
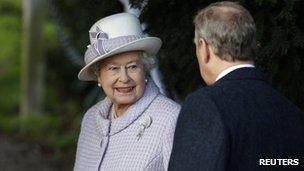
(106, 125)
(242, 74)
(232, 68)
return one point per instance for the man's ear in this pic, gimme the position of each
(204, 48)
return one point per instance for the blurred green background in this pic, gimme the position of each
(45, 137)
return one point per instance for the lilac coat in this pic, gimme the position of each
(114, 144)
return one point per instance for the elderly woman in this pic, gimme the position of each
(133, 127)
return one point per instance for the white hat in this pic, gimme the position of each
(113, 35)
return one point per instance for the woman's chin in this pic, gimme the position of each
(126, 100)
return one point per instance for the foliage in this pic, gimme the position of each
(50, 132)
(279, 33)
(10, 28)
(281, 40)
(56, 131)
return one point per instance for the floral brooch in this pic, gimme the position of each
(144, 123)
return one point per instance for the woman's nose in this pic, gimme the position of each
(124, 77)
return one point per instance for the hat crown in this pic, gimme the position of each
(123, 24)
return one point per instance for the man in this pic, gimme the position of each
(237, 122)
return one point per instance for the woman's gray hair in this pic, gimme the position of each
(229, 28)
(148, 62)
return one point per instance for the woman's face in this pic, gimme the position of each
(122, 78)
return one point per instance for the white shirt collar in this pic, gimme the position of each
(230, 69)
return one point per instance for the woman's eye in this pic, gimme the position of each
(113, 68)
(132, 67)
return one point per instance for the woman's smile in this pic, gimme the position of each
(125, 90)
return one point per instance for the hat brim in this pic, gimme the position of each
(150, 45)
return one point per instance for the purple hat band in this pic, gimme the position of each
(104, 45)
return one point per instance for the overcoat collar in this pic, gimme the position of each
(108, 126)
(242, 74)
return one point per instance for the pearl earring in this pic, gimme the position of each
(146, 80)
(99, 85)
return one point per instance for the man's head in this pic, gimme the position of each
(224, 31)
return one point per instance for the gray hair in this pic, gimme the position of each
(229, 29)
(148, 62)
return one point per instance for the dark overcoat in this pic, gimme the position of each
(235, 123)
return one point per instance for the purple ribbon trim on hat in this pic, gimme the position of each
(99, 34)
(105, 45)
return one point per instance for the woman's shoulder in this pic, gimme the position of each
(96, 109)
(93, 109)
(165, 106)
(167, 102)
(164, 113)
